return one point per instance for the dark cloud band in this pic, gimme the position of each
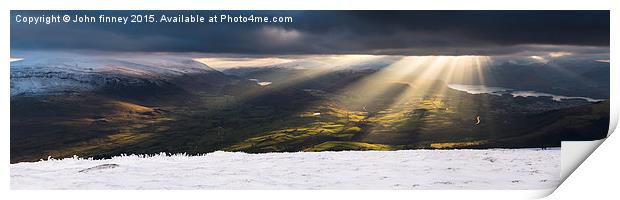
(324, 32)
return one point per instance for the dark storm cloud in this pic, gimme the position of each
(327, 32)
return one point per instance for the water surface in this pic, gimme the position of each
(482, 89)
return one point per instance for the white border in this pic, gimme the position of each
(313, 5)
(288, 5)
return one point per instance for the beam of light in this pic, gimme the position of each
(480, 63)
(423, 76)
(432, 83)
(379, 83)
(406, 84)
(426, 79)
(444, 74)
(427, 83)
(406, 76)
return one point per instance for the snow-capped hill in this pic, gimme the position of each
(406, 169)
(48, 73)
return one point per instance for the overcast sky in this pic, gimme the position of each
(332, 32)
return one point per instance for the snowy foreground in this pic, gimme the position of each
(407, 169)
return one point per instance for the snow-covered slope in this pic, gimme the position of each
(53, 72)
(407, 169)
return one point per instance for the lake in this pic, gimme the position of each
(482, 89)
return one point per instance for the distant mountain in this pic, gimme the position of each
(140, 74)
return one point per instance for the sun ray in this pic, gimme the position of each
(385, 81)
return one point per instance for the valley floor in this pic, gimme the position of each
(405, 169)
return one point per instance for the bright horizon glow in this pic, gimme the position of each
(560, 54)
(228, 63)
(539, 58)
(603, 61)
(306, 61)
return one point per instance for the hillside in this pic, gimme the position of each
(177, 105)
